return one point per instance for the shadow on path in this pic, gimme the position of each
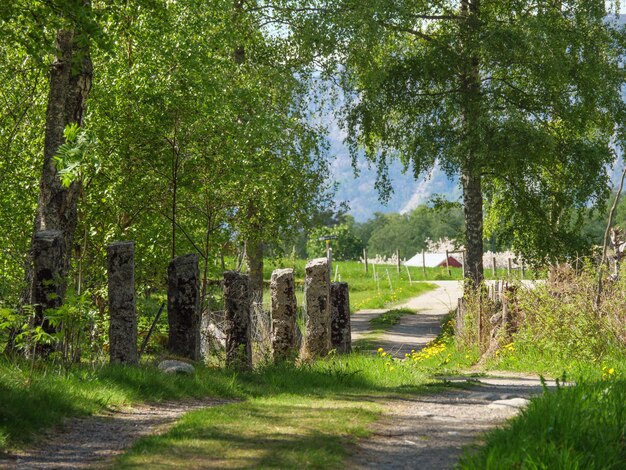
(431, 431)
(94, 441)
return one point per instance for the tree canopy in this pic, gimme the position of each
(521, 99)
(178, 140)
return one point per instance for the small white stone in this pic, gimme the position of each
(176, 367)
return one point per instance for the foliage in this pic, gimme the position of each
(178, 141)
(346, 246)
(73, 160)
(522, 100)
(409, 232)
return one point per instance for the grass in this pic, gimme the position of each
(389, 318)
(365, 291)
(583, 426)
(578, 426)
(525, 357)
(294, 417)
(326, 403)
(30, 404)
(276, 432)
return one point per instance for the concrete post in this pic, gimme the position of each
(237, 308)
(48, 283)
(283, 310)
(341, 339)
(122, 303)
(317, 309)
(183, 307)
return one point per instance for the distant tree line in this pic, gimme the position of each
(385, 233)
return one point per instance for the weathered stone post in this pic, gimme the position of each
(283, 309)
(340, 336)
(237, 308)
(183, 306)
(317, 309)
(48, 283)
(122, 311)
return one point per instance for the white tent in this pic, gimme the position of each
(434, 260)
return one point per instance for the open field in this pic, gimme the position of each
(388, 289)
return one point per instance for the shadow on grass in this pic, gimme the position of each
(30, 406)
(258, 434)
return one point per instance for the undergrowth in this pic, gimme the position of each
(557, 328)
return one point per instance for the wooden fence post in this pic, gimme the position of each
(399, 265)
(365, 259)
(463, 260)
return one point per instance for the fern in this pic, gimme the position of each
(74, 158)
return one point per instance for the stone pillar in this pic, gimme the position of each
(122, 311)
(283, 309)
(48, 282)
(183, 307)
(237, 308)
(340, 336)
(317, 309)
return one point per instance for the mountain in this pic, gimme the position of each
(360, 192)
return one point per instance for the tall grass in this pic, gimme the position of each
(557, 328)
(554, 326)
(580, 427)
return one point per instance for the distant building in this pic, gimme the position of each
(434, 260)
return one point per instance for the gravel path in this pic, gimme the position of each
(92, 442)
(413, 331)
(431, 431)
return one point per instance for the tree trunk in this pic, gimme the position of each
(70, 82)
(471, 102)
(254, 259)
(473, 212)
